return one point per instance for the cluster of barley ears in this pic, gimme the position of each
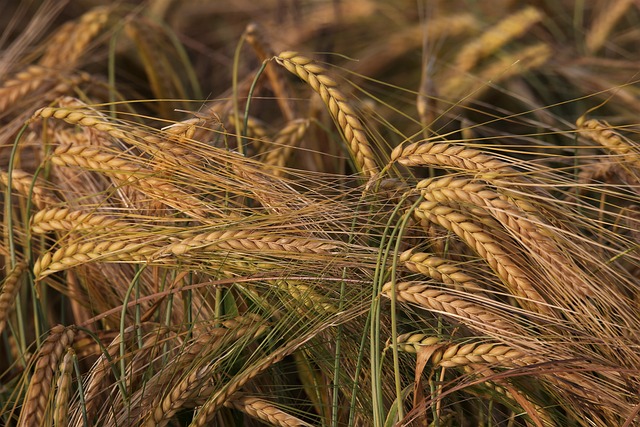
(204, 226)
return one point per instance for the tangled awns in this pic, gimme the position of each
(320, 213)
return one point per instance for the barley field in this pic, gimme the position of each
(320, 213)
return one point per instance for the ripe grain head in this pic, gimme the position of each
(343, 113)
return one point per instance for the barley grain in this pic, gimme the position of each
(306, 295)
(68, 45)
(456, 355)
(319, 80)
(538, 414)
(414, 342)
(457, 157)
(248, 241)
(168, 145)
(472, 87)
(450, 355)
(502, 262)
(161, 190)
(38, 396)
(604, 22)
(497, 36)
(63, 392)
(475, 316)
(604, 134)
(378, 56)
(22, 181)
(526, 227)
(64, 219)
(76, 254)
(193, 377)
(283, 144)
(439, 269)
(162, 412)
(265, 411)
(24, 83)
(98, 380)
(10, 288)
(81, 117)
(215, 401)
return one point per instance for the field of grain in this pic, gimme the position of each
(320, 213)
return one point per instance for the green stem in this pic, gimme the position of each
(234, 84)
(123, 316)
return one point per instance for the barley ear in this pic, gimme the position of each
(10, 289)
(339, 108)
(604, 134)
(24, 83)
(492, 251)
(61, 412)
(22, 183)
(283, 145)
(66, 47)
(604, 23)
(494, 38)
(265, 411)
(38, 397)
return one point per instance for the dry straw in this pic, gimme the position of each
(262, 47)
(160, 61)
(343, 113)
